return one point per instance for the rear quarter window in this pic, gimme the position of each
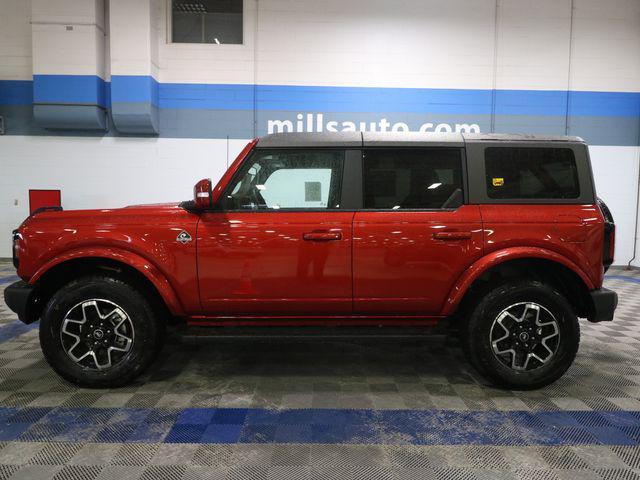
(531, 173)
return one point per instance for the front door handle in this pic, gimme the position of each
(322, 236)
(452, 235)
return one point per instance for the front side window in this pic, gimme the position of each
(206, 21)
(287, 179)
(531, 173)
(413, 178)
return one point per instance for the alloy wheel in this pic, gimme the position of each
(97, 334)
(525, 336)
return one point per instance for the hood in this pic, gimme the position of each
(149, 230)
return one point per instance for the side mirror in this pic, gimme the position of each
(202, 194)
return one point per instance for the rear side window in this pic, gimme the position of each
(298, 179)
(412, 178)
(531, 173)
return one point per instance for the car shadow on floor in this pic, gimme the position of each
(371, 365)
(334, 358)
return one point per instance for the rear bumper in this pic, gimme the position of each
(604, 303)
(19, 297)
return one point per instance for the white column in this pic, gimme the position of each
(134, 70)
(68, 50)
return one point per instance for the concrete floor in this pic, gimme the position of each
(370, 408)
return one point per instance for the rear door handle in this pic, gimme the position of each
(321, 236)
(452, 235)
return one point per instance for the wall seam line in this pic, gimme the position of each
(495, 68)
(570, 60)
(255, 70)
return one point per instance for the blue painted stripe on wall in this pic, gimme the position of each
(136, 89)
(367, 99)
(218, 111)
(326, 99)
(531, 102)
(623, 104)
(16, 92)
(331, 426)
(206, 97)
(411, 100)
(83, 89)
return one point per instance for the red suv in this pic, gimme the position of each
(500, 235)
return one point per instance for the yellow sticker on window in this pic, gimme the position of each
(497, 182)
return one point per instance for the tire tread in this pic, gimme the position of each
(485, 363)
(51, 347)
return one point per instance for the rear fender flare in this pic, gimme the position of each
(139, 263)
(457, 293)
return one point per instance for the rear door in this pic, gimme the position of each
(415, 235)
(280, 244)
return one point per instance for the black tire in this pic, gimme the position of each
(478, 344)
(147, 326)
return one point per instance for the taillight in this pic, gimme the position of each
(609, 246)
(14, 248)
(612, 242)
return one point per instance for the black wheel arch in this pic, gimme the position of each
(64, 272)
(548, 272)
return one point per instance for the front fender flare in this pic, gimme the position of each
(141, 264)
(500, 256)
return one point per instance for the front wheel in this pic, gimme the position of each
(522, 335)
(99, 331)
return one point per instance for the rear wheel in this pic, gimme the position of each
(100, 331)
(522, 335)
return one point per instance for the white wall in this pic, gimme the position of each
(59, 51)
(541, 64)
(615, 170)
(104, 172)
(133, 51)
(376, 43)
(417, 43)
(421, 43)
(606, 46)
(15, 40)
(200, 63)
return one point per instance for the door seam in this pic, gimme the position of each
(353, 303)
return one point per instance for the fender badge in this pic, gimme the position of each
(183, 237)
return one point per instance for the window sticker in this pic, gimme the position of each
(312, 191)
(497, 181)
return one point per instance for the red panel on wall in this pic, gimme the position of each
(44, 198)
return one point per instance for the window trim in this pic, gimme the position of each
(219, 208)
(169, 29)
(477, 173)
(463, 165)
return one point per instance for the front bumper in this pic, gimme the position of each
(20, 298)
(604, 303)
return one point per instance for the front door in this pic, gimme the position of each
(414, 236)
(279, 244)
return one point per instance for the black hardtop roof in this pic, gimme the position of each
(382, 139)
